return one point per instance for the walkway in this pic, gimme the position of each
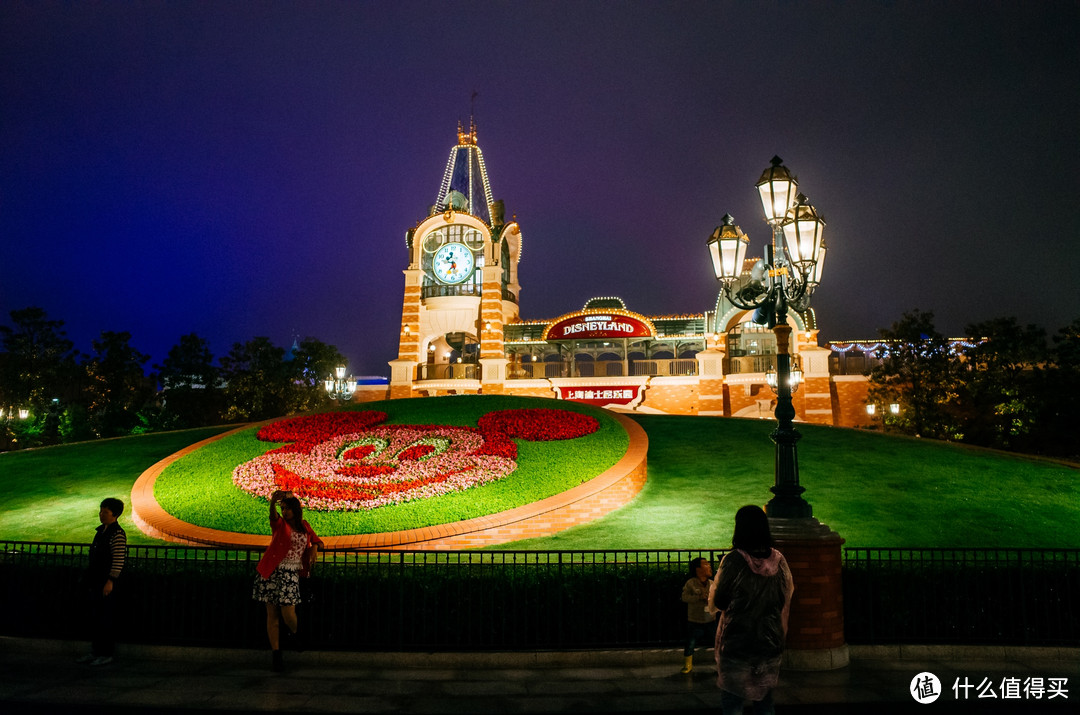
(41, 677)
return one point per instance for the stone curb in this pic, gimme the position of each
(539, 659)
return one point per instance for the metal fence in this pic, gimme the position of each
(532, 600)
(388, 600)
(1001, 596)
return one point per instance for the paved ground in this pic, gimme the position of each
(42, 677)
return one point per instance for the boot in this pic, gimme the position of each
(688, 664)
(276, 663)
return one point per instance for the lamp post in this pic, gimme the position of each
(22, 413)
(6, 418)
(340, 387)
(786, 276)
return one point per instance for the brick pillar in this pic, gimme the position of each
(850, 395)
(817, 405)
(402, 369)
(815, 639)
(711, 380)
(490, 329)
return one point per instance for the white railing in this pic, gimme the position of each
(664, 368)
(600, 368)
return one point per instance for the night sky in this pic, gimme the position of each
(243, 169)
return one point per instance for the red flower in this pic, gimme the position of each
(304, 487)
(366, 470)
(358, 453)
(309, 430)
(416, 452)
(538, 425)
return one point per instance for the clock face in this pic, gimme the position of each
(453, 263)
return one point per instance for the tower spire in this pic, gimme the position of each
(466, 138)
(465, 185)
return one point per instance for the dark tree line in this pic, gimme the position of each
(1009, 388)
(72, 396)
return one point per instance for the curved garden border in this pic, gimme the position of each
(602, 494)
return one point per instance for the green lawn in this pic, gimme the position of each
(53, 493)
(875, 490)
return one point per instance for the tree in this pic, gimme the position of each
(118, 387)
(40, 362)
(313, 361)
(38, 370)
(191, 384)
(1061, 386)
(917, 372)
(257, 381)
(1001, 388)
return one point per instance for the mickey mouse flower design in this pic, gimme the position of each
(348, 461)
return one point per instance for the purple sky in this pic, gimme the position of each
(243, 169)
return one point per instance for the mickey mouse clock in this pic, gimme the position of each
(453, 263)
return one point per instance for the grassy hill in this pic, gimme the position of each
(53, 493)
(875, 490)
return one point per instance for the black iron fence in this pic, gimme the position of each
(388, 600)
(962, 596)
(529, 600)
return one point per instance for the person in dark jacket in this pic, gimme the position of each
(753, 593)
(108, 552)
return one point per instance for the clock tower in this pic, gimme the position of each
(461, 285)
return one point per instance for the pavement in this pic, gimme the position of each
(41, 677)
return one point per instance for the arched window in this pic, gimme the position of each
(750, 339)
(750, 348)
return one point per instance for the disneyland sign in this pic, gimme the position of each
(596, 326)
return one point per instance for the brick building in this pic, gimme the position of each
(462, 331)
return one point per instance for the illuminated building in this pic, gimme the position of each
(462, 330)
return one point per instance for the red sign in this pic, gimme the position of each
(603, 394)
(598, 325)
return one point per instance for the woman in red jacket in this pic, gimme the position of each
(293, 547)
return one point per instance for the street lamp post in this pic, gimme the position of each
(22, 413)
(340, 387)
(786, 276)
(6, 419)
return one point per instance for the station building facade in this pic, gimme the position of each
(462, 331)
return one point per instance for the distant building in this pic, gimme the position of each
(462, 330)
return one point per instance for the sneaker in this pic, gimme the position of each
(84, 660)
(102, 660)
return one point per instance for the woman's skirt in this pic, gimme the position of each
(282, 588)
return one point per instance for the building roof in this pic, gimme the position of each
(465, 186)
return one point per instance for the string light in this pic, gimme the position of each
(473, 155)
(844, 346)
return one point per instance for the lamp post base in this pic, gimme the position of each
(785, 506)
(816, 659)
(816, 621)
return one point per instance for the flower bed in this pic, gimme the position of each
(345, 461)
(379, 467)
